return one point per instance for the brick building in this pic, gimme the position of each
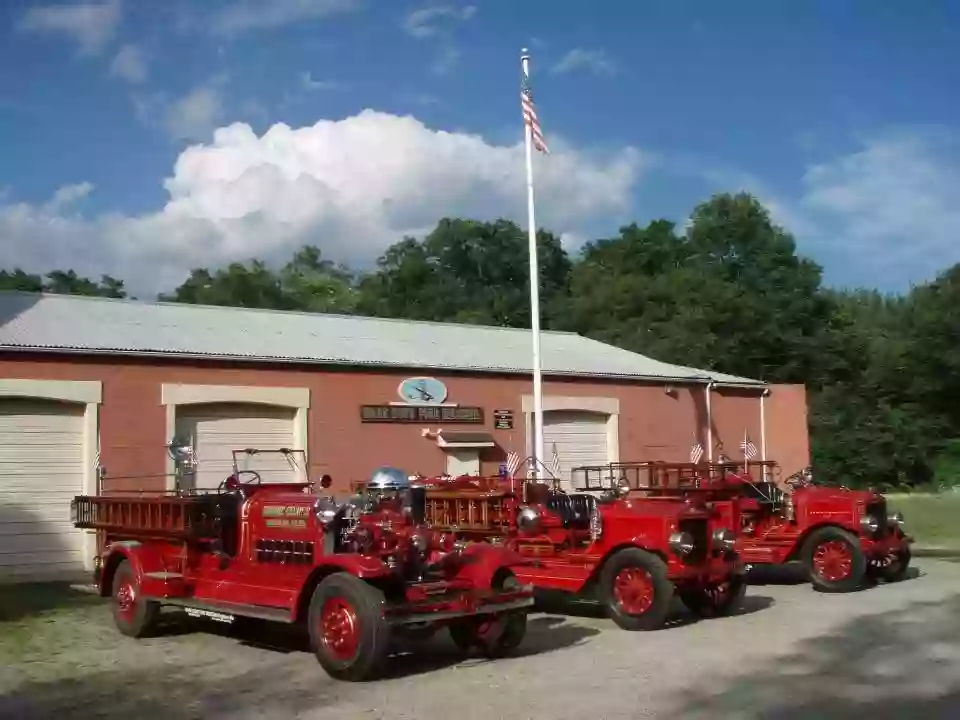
(92, 389)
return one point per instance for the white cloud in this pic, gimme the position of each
(352, 186)
(432, 23)
(595, 61)
(893, 206)
(426, 22)
(243, 15)
(195, 115)
(130, 64)
(91, 25)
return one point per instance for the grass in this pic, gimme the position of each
(27, 608)
(932, 519)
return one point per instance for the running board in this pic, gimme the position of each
(414, 618)
(226, 611)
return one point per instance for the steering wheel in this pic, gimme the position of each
(232, 482)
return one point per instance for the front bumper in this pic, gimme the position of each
(457, 604)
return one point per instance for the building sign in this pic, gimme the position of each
(503, 419)
(421, 414)
(422, 391)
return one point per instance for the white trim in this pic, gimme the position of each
(88, 393)
(173, 395)
(609, 406)
(763, 429)
(707, 390)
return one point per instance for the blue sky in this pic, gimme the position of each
(841, 116)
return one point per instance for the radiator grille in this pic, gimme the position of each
(290, 552)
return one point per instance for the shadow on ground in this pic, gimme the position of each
(286, 679)
(559, 603)
(25, 600)
(902, 664)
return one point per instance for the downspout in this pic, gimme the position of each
(709, 389)
(763, 428)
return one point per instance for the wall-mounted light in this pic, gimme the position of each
(669, 390)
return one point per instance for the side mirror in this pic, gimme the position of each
(325, 481)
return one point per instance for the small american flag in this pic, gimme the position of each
(555, 462)
(696, 453)
(749, 449)
(513, 462)
(530, 114)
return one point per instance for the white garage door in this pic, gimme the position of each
(41, 470)
(580, 439)
(218, 429)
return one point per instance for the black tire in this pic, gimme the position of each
(357, 650)
(896, 570)
(855, 566)
(495, 636)
(716, 600)
(651, 570)
(133, 616)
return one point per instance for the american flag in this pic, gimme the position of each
(749, 449)
(555, 462)
(530, 114)
(513, 462)
(696, 453)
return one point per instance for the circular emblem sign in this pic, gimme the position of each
(422, 391)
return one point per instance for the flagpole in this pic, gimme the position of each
(534, 289)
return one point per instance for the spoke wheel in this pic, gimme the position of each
(348, 633)
(634, 589)
(133, 615)
(715, 600)
(835, 561)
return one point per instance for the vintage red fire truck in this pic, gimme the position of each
(845, 539)
(354, 573)
(631, 555)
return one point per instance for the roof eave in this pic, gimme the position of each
(697, 380)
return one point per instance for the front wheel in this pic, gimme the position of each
(348, 633)
(896, 568)
(133, 615)
(495, 636)
(835, 561)
(715, 600)
(634, 589)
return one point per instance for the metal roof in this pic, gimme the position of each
(65, 323)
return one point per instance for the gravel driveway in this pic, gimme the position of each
(889, 652)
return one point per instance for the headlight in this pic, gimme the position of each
(724, 539)
(788, 507)
(895, 518)
(869, 523)
(681, 543)
(529, 521)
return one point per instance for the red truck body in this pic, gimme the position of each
(353, 575)
(632, 554)
(845, 538)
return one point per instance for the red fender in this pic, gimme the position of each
(482, 562)
(142, 558)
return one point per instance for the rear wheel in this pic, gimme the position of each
(835, 561)
(348, 633)
(634, 589)
(715, 600)
(133, 615)
(496, 635)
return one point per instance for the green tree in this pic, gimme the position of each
(729, 294)
(466, 271)
(306, 282)
(61, 282)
